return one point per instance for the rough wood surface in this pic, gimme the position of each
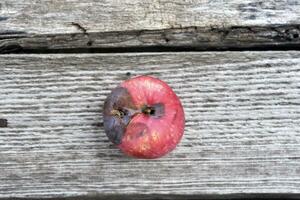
(242, 131)
(43, 17)
(48, 24)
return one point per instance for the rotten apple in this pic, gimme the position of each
(144, 117)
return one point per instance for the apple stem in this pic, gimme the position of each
(148, 110)
(155, 110)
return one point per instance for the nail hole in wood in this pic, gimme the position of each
(295, 35)
(89, 43)
(3, 123)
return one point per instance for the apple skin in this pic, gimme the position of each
(144, 117)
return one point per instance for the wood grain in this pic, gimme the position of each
(242, 131)
(44, 17)
(35, 24)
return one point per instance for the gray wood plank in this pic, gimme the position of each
(44, 17)
(242, 131)
(34, 24)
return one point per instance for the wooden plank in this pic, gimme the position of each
(45, 17)
(35, 24)
(241, 137)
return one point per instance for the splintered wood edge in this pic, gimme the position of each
(188, 38)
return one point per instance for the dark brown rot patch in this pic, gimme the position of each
(118, 111)
(3, 123)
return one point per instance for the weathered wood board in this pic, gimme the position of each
(202, 24)
(242, 131)
(46, 17)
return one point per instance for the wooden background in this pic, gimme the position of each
(59, 60)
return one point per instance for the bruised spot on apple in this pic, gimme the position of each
(144, 117)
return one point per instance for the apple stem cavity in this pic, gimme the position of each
(122, 113)
(156, 110)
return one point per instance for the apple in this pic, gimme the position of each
(144, 117)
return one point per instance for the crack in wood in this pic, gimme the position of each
(80, 27)
(84, 30)
(10, 47)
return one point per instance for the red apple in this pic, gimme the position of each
(144, 117)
